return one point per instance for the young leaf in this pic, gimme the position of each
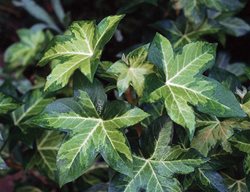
(80, 47)
(89, 135)
(45, 157)
(184, 83)
(156, 173)
(132, 69)
(7, 103)
(213, 132)
(34, 104)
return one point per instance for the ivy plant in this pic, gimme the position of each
(168, 114)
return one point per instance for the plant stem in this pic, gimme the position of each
(129, 98)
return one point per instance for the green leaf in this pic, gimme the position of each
(235, 185)
(34, 103)
(47, 148)
(95, 90)
(224, 5)
(157, 172)
(57, 6)
(213, 132)
(235, 26)
(184, 84)
(246, 107)
(132, 69)
(26, 51)
(180, 32)
(229, 80)
(89, 135)
(80, 47)
(156, 137)
(247, 164)
(7, 103)
(37, 12)
(241, 141)
(193, 10)
(210, 180)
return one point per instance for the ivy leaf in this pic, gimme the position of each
(234, 185)
(224, 5)
(38, 12)
(229, 80)
(95, 90)
(241, 141)
(80, 47)
(34, 103)
(156, 173)
(212, 132)
(89, 135)
(7, 103)
(184, 84)
(246, 106)
(210, 180)
(193, 10)
(180, 32)
(26, 51)
(235, 26)
(132, 69)
(45, 157)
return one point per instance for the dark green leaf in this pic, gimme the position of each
(34, 103)
(7, 103)
(156, 173)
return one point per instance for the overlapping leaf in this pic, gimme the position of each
(89, 135)
(132, 69)
(235, 185)
(80, 47)
(195, 10)
(45, 157)
(184, 84)
(34, 104)
(214, 132)
(7, 103)
(210, 180)
(156, 173)
(180, 32)
(242, 141)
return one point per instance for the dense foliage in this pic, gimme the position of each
(146, 99)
